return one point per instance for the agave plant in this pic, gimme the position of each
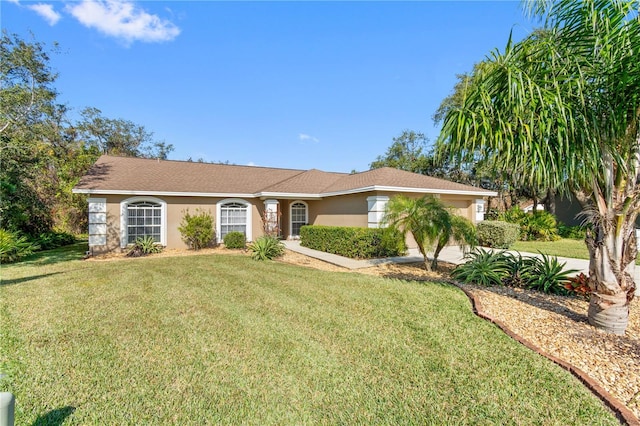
(517, 266)
(266, 248)
(483, 267)
(144, 246)
(547, 275)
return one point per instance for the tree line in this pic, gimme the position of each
(43, 152)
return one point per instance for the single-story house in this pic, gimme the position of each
(134, 197)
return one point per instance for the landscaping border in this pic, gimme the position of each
(624, 414)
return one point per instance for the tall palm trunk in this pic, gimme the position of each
(611, 267)
(613, 247)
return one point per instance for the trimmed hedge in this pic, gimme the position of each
(235, 240)
(497, 234)
(353, 242)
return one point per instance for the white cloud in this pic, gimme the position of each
(46, 11)
(307, 138)
(14, 1)
(123, 20)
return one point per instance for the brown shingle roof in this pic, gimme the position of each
(136, 175)
(389, 177)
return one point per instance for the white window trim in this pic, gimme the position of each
(306, 216)
(123, 218)
(249, 234)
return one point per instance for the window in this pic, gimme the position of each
(299, 217)
(143, 217)
(233, 217)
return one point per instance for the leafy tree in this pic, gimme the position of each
(409, 152)
(431, 224)
(119, 136)
(25, 81)
(26, 99)
(405, 153)
(561, 109)
(42, 153)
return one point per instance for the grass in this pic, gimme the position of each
(224, 339)
(563, 248)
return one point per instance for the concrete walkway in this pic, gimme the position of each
(450, 254)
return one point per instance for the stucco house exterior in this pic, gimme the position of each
(133, 197)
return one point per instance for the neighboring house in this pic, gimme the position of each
(134, 197)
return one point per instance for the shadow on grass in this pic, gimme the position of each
(417, 272)
(4, 282)
(54, 417)
(74, 251)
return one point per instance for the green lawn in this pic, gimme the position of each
(563, 248)
(224, 339)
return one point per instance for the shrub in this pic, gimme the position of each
(392, 243)
(353, 242)
(578, 286)
(513, 215)
(547, 275)
(14, 247)
(144, 246)
(484, 267)
(573, 232)
(197, 229)
(539, 226)
(492, 214)
(517, 266)
(536, 226)
(54, 239)
(544, 274)
(266, 248)
(235, 240)
(497, 234)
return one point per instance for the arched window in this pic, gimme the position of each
(299, 217)
(234, 215)
(142, 217)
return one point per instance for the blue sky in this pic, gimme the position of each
(323, 85)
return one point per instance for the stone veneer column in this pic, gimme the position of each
(377, 205)
(97, 222)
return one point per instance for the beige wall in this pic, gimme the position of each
(464, 206)
(344, 210)
(176, 206)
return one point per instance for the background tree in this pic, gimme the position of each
(43, 153)
(407, 152)
(561, 109)
(26, 100)
(410, 152)
(431, 224)
(119, 136)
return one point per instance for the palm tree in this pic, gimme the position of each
(561, 110)
(431, 224)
